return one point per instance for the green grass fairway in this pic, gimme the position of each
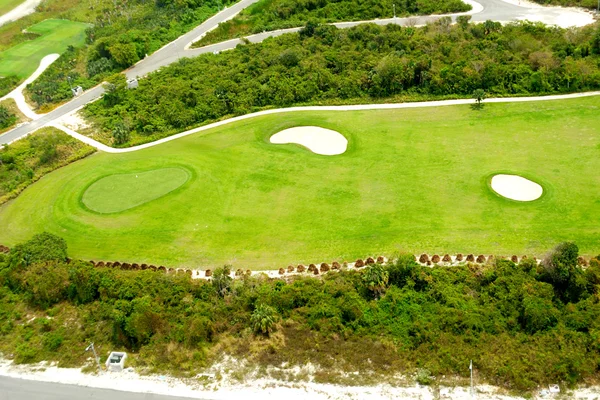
(7, 5)
(414, 180)
(55, 36)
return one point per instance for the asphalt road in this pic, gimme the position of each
(496, 10)
(21, 389)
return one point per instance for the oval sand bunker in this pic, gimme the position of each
(516, 187)
(318, 140)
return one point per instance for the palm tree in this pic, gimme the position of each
(263, 319)
(376, 278)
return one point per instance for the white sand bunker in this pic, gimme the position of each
(318, 140)
(516, 187)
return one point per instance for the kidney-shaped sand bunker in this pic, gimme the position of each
(318, 140)
(120, 192)
(516, 187)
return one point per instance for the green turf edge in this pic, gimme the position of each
(547, 189)
(191, 178)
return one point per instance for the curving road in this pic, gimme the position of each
(497, 10)
(20, 389)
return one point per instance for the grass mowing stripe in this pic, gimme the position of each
(8, 5)
(55, 36)
(415, 180)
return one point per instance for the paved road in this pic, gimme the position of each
(497, 10)
(21, 389)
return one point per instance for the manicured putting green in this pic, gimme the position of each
(122, 192)
(55, 36)
(413, 180)
(7, 5)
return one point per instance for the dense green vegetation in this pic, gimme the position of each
(269, 15)
(27, 160)
(123, 32)
(7, 117)
(522, 325)
(368, 63)
(415, 179)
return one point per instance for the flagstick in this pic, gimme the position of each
(471, 368)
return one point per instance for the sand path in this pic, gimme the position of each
(360, 107)
(19, 11)
(17, 94)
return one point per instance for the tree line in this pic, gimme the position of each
(523, 325)
(364, 64)
(122, 34)
(278, 14)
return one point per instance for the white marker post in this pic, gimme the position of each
(91, 347)
(471, 369)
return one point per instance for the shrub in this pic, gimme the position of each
(290, 268)
(42, 247)
(359, 263)
(424, 258)
(459, 257)
(447, 258)
(424, 377)
(380, 260)
(514, 259)
(263, 319)
(221, 280)
(376, 278)
(208, 272)
(480, 259)
(300, 268)
(470, 258)
(369, 261)
(281, 271)
(52, 341)
(7, 118)
(335, 265)
(324, 267)
(24, 353)
(435, 259)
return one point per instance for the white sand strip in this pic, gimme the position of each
(516, 187)
(23, 9)
(253, 387)
(17, 94)
(318, 140)
(360, 107)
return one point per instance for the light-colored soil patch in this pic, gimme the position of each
(516, 187)
(318, 140)
(74, 121)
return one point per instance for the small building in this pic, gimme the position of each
(77, 91)
(116, 361)
(132, 83)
